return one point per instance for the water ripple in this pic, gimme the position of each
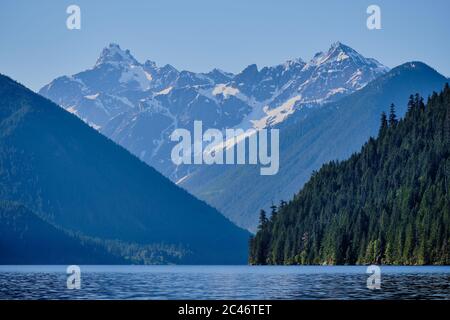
(223, 282)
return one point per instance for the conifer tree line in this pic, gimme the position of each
(387, 204)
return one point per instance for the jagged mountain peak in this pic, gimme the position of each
(250, 69)
(250, 73)
(218, 75)
(293, 62)
(114, 54)
(341, 53)
(220, 71)
(337, 45)
(150, 64)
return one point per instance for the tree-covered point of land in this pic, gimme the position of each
(387, 204)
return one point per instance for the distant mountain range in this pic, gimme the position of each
(65, 183)
(138, 105)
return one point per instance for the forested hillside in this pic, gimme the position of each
(26, 238)
(74, 178)
(388, 204)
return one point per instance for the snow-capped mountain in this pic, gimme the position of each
(138, 105)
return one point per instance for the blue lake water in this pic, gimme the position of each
(224, 282)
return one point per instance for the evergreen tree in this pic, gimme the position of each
(273, 212)
(383, 124)
(411, 103)
(262, 220)
(392, 116)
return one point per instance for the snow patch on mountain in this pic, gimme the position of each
(92, 96)
(164, 91)
(224, 90)
(276, 115)
(137, 74)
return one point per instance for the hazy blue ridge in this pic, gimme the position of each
(77, 179)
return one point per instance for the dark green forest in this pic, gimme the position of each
(387, 204)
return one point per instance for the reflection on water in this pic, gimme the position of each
(224, 282)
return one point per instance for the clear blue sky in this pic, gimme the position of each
(198, 35)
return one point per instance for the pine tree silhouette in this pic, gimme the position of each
(383, 124)
(392, 116)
